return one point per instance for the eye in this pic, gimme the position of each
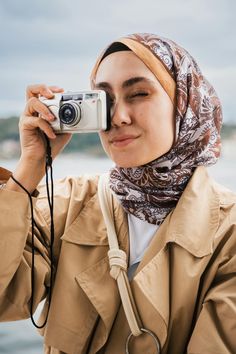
(139, 94)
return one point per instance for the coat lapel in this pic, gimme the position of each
(192, 226)
(96, 282)
(193, 223)
(102, 292)
(151, 289)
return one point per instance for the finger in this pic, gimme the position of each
(49, 91)
(42, 90)
(30, 123)
(56, 89)
(35, 107)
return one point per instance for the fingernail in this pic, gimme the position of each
(50, 92)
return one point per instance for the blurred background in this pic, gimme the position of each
(57, 42)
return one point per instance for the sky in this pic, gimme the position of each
(58, 41)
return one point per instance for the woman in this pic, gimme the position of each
(176, 225)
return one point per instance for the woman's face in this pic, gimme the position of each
(142, 127)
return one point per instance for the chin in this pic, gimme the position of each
(129, 164)
(123, 164)
(127, 160)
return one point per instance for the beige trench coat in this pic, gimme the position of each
(185, 286)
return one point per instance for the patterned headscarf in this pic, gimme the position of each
(151, 191)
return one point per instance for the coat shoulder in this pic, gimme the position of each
(225, 237)
(71, 195)
(83, 187)
(227, 201)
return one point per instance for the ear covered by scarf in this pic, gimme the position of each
(151, 191)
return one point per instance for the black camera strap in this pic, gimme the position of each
(50, 197)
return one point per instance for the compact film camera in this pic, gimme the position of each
(80, 112)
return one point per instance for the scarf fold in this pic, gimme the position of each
(151, 191)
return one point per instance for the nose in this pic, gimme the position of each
(120, 115)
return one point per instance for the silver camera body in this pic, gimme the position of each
(79, 112)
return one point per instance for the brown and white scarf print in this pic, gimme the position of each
(151, 191)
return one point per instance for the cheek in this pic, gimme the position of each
(159, 127)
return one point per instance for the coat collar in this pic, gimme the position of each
(192, 224)
(194, 221)
(93, 232)
(87, 232)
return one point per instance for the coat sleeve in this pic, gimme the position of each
(15, 257)
(16, 243)
(215, 329)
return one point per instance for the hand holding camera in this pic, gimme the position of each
(57, 114)
(34, 121)
(54, 112)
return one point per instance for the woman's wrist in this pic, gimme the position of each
(29, 174)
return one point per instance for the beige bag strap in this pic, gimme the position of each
(118, 258)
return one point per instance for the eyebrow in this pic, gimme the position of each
(127, 83)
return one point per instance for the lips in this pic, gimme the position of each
(122, 140)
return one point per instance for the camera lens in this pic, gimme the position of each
(70, 113)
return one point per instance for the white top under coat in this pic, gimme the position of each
(140, 236)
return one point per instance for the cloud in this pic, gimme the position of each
(33, 10)
(65, 27)
(58, 40)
